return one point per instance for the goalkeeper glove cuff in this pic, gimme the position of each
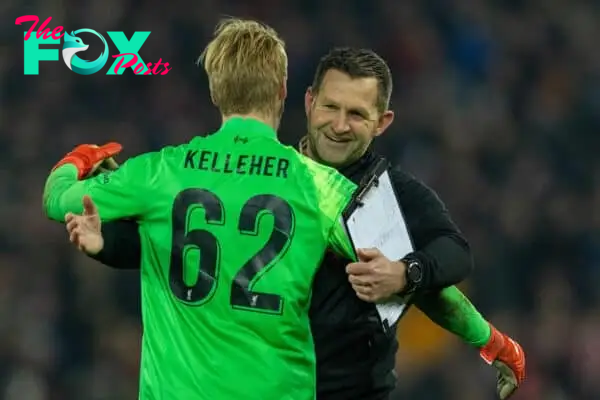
(502, 348)
(87, 157)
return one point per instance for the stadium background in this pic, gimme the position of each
(498, 109)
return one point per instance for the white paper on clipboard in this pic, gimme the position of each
(378, 222)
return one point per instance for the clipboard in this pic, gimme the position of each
(370, 180)
(374, 218)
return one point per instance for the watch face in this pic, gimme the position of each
(414, 272)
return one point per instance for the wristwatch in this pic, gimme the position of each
(414, 275)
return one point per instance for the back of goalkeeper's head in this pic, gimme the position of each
(246, 64)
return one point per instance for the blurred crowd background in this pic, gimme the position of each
(498, 109)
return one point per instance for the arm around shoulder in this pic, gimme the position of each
(117, 194)
(62, 194)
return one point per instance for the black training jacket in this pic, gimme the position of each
(355, 356)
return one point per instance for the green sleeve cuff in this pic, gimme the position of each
(453, 311)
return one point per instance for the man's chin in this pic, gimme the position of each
(334, 160)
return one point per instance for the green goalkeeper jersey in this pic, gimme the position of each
(233, 227)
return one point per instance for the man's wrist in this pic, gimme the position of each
(490, 350)
(413, 275)
(97, 249)
(74, 161)
(98, 254)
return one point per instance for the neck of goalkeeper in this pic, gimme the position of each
(271, 120)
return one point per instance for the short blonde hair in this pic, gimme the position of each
(246, 65)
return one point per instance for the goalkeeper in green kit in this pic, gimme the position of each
(233, 225)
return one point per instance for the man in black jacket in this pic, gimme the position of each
(347, 107)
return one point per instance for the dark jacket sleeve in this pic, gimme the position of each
(439, 245)
(122, 246)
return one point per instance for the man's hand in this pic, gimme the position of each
(84, 230)
(375, 278)
(89, 157)
(508, 358)
(106, 166)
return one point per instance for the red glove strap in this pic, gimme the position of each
(85, 157)
(78, 162)
(490, 351)
(502, 348)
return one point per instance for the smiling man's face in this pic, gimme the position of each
(342, 118)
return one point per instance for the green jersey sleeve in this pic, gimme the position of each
(335, 193)
(117, 194)
(340, 242)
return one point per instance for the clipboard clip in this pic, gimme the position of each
(371, 181)
(364, 188)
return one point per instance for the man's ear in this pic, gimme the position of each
(385, 120)
(308, 100)
(283, 92)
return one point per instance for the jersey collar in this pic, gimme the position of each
(248, 126)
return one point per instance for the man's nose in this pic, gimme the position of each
(340, 123)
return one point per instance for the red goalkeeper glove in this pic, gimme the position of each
(88, 157)
(508, 358)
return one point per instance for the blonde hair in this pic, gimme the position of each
(246, 65)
